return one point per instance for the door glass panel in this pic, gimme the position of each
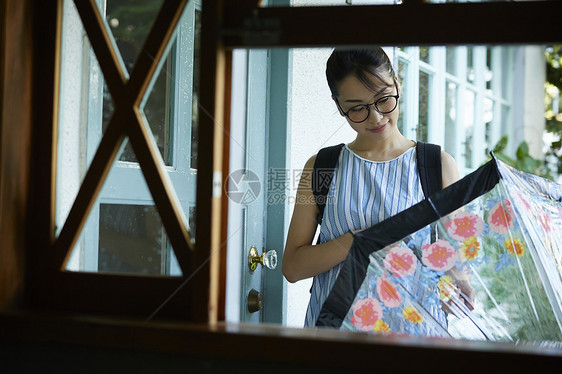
(157, 111)
(170, 107)
(124, 233)
(132, 240)
(130, 22)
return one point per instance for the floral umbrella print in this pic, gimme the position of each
(366, 313)
(439, 256)
(492, 240)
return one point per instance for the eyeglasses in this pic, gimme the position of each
(360, 113)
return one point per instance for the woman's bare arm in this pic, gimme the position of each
(301, 259)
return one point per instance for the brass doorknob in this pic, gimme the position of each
(267, 259)
(255, 301)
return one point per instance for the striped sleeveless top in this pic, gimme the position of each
(362, 193)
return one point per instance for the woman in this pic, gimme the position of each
(363, 192)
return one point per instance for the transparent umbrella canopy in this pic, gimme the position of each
(479, 260)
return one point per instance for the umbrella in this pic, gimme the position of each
(479, 260)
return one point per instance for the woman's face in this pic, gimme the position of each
(352, 92)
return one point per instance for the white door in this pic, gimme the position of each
(256, 218)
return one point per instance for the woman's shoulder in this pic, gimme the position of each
(309, 164)
(449, 169)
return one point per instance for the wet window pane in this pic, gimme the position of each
(123, 232)
(130, 23)
(195, 102)
(132, 240)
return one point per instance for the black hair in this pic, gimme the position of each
(363, 63)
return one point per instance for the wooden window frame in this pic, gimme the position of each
(29, 122)
(225, 26)
(49, 286)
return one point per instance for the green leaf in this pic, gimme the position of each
(522, 150)
(500, 145)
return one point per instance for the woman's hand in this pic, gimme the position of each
(462, 294)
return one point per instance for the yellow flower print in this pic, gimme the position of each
(470, 248)
(412, 315)
(381, 326)
(514, 246)
(446, 287)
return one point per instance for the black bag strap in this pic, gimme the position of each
(429, 167)
(324, 166)
(431, 173)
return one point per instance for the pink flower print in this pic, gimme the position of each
(501, 217)
(544, 220)
(366, 313)
(521, 201)
(463, 225)
(440, 256)
(401, 261)
(388, 293)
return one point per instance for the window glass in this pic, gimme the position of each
(451, 118)
(195, 90)
(488, 122)
(132, 240)
(451, 60)
(402, 66)
(468, 124)
(84, 108)
(424, 54)
(423, 114)
(470, 73)
(488, 73)
(130, 22)
(299, 3)
(124, 233)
